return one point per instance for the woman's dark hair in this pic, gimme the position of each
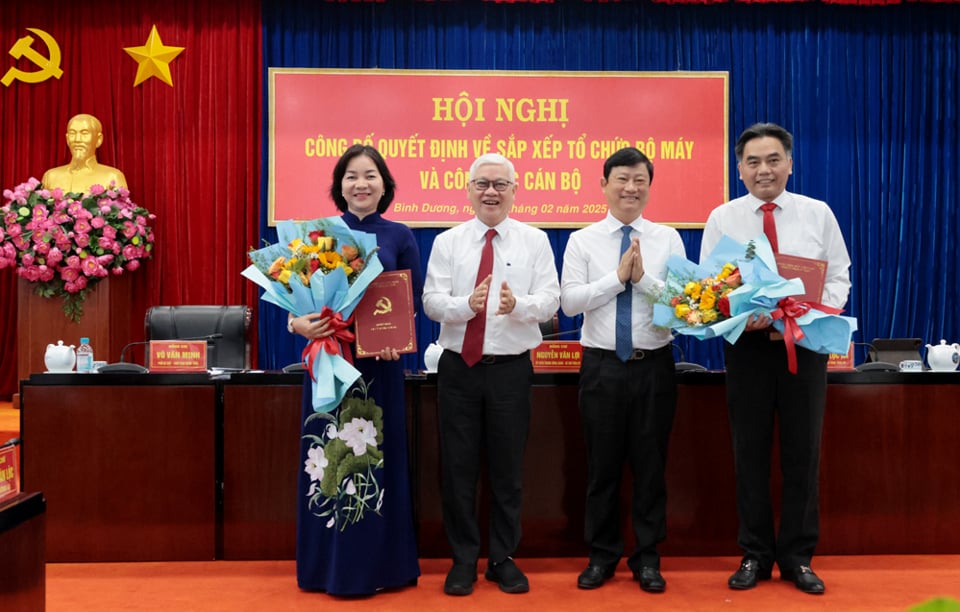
(389, 185)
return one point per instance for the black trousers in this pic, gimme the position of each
(484, 411)
(627, 410)
(761, 390)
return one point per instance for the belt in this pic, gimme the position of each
(495, 359)
(636, 355)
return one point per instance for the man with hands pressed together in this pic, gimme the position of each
(612, 270)
(490, 282)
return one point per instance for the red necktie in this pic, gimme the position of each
(770, 225)
(473, 338)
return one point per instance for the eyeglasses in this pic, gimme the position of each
(484, 184)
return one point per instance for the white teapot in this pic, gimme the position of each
(943, 357)
(59, 357)
(431, 356)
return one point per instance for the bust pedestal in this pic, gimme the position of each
(40, 321)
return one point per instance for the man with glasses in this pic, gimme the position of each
(490, 282)
(611, 270)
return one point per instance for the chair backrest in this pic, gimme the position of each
(181, 322)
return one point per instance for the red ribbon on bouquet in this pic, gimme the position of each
(338, 343)
(790, 310)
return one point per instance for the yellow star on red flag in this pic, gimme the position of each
(154, 59)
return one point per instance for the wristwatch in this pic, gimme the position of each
(290, 325)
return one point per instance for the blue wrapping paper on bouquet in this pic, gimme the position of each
(330, 289)
(759, 289)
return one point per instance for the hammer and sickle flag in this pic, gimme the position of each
(48, 66)
(154, 59)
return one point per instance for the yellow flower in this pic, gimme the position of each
(707, 299)
(692, 289)
(329, 259)
(727, 270)
(284, 277)
(681, 311)
(708, 316)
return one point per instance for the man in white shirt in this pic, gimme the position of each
(627, 386)
(484, 378)
(760, 388)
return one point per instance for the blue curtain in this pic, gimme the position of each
(870, 95)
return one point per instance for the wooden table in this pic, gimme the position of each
(182, 467)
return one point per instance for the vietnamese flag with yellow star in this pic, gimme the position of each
(177, 86)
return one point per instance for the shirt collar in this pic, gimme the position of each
(480, 228)
(781, 200)
(614, 224)
(368, 219)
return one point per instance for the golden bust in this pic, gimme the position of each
(84, 136)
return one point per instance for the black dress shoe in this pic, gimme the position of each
(460, 579)
(508, 576)
(650, 579)
(747, 576)
(804, 578)
(594, 576)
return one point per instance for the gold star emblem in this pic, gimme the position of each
(154, 59)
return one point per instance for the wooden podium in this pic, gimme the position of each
(22, 540)
(41, 321)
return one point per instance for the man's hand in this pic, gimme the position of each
(757, 322)
(478, 299)
(631, 263)
(507, 301)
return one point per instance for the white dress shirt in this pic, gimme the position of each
(805, 227)
(590, 284)
(521, 256)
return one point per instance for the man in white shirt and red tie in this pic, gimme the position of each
(760, 388)
(490, 282)
(611, 271)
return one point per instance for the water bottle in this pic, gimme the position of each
(84, 357)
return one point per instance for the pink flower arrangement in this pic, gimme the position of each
(66, 242)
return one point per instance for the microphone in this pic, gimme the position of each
(560, 334)
(122, 367)
(872, 363)
(683, 365)
(10, 442)
(871, 350)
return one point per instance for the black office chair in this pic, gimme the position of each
(231, 350)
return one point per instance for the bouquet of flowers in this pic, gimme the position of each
(66, 242)
(345, 460)
(705, 300)
(734, 283)
(319, 266)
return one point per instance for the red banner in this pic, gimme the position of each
(557, 129)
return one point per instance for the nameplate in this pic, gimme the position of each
(557, 356)
(841, 363)
(9, 474)
(178, 356)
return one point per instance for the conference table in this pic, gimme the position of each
(156, 467)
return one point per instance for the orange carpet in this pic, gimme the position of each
(876, 583)
(853, 583)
